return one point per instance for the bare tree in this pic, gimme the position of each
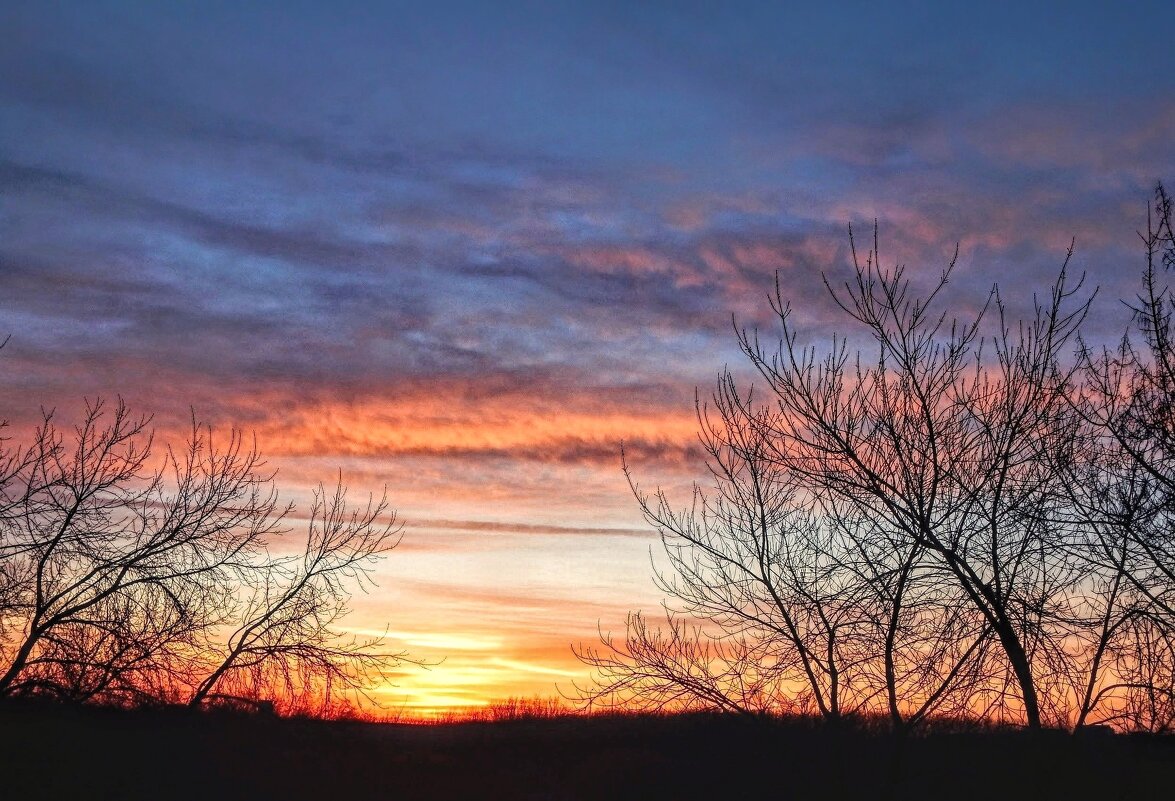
(120, 582)
(1132, 398)
(1124, 493)
(753, 563)
(800, 604)
(132, 650)
(100, 546)
(284, 638)
(886, 532)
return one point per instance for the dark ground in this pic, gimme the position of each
(73, 753)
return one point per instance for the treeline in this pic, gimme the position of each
(970, 517)
(135, 575)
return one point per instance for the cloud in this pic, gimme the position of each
(525, 528)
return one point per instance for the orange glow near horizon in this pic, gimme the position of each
(487, 624)
(504, 564)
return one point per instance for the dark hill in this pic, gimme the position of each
(77, 753)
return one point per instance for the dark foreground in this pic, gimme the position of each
(53, 752)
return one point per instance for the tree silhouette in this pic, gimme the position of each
(119, 581)
(284, 635)
(1125, 492)
(962, 519)
(776, 573)
(102, 548)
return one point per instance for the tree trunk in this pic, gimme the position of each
(1014, 650)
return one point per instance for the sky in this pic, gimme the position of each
(464, 250)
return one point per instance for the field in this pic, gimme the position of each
(57, 752)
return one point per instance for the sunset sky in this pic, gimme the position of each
(466, 250)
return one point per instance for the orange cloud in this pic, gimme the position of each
(550, 428)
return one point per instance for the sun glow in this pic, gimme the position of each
(459, 685)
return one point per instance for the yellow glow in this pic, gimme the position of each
(450, 641)
(531, 668)
(496, 576)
